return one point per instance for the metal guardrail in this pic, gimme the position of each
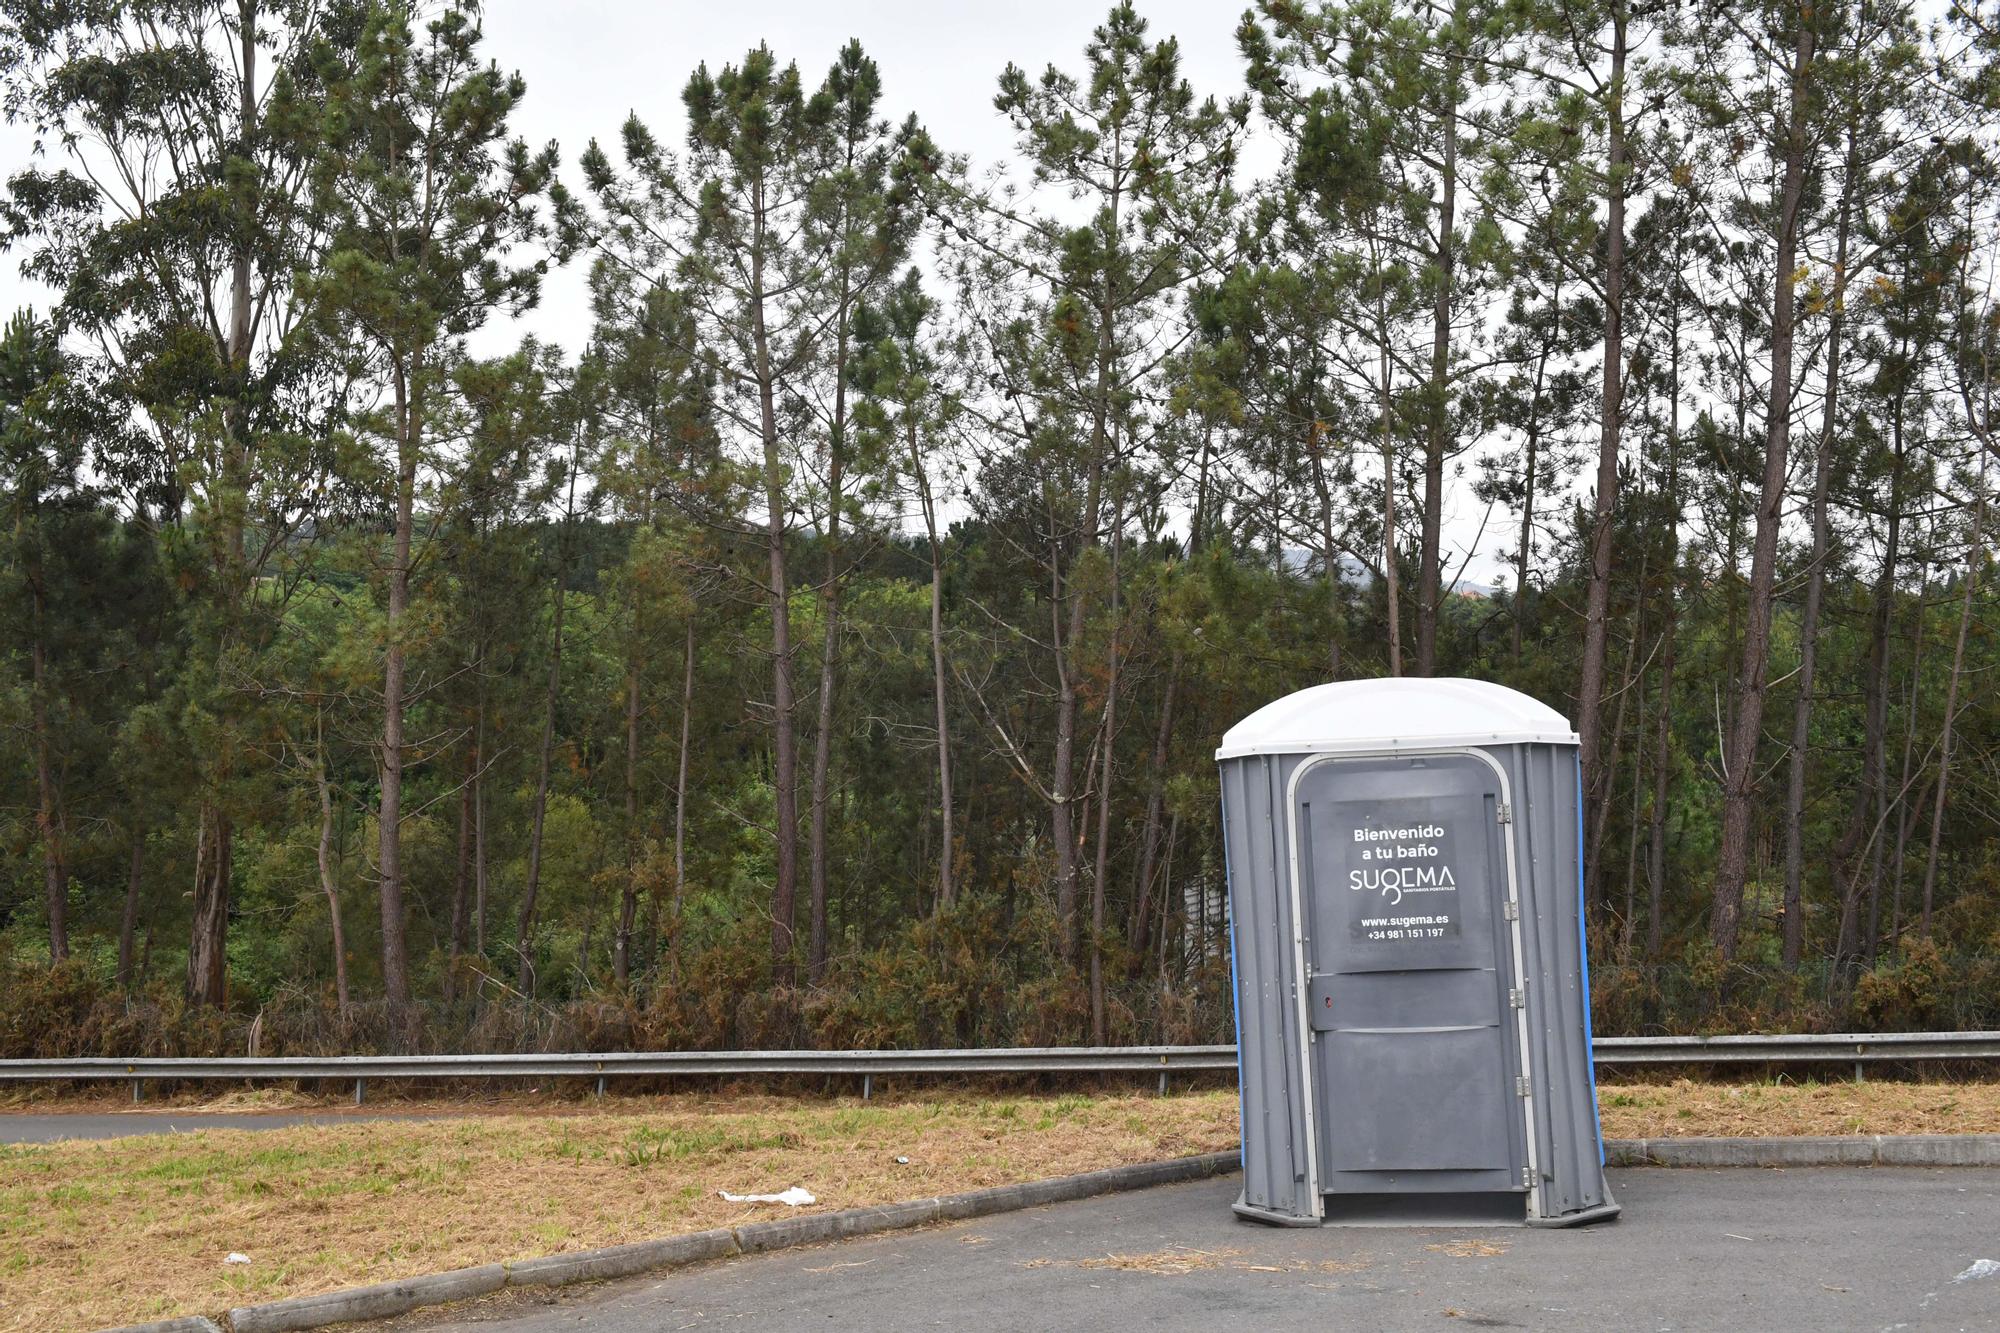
(1027, 1060)
(1840, 1048)
(1836, 1047)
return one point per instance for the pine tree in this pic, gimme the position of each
(428, 199)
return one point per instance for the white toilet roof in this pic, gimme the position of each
(1396, 713)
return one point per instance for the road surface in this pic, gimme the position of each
(1829, 1248)
(118, 1125)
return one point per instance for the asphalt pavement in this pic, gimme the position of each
(1820, 1248)
(118, 1125)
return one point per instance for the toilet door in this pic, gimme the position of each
(1415, 1051)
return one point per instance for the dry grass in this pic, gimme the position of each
(128, 1229)
(1734, 1110)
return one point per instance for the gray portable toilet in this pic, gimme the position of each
(1412, 1000)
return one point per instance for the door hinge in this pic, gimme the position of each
(1521, 1085)
(1506, 813)
(1514, 999)
(1511, 910)
(1527, 1177)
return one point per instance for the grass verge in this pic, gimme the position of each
(1737, 1110)
(97, 1233)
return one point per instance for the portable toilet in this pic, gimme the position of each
(1412, 998)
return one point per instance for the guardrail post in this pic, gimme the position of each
(600, 1087)
(357, 1091)
(867, 1086)
(137, 1095)
(1163, 1082)
(1857, 1071)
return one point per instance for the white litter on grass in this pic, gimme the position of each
(902, 1161)
(237, 1257)
(793, 1197)
(1980, 1268)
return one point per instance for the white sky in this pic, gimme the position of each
(590, 63)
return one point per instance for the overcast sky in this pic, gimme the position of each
(590, 63)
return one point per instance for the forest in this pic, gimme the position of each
(832, 648)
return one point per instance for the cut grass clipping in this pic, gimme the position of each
(98, 1233)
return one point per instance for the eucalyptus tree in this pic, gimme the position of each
(174, 226)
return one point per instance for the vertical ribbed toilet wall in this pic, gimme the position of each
(1260, 913)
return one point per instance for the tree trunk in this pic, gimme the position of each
(1107, 771)
(1907, 824)
(524, 932)
(1663, 736)
(461, 877)
(1858, 844)
(48, 813)
(1155, 801)
(1628, 927)
(1733, 860)
(208, 975)
(128, 920)
(395, 946)
(479, 879)
(1532, 462)
(1656, 837)
(329, 879)
(947, 893)
(1795, 786)
(1391, 592)
(1974, 557)
(1429, 562)
(628, 894)
(784, 739)
(822, 763)
(208, 929)
(1329, 551)
(1610, 437)
(1601, 822)
(829, 664)
(681, 779)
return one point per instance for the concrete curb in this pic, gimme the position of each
(1831, 1150)
(393, 1298)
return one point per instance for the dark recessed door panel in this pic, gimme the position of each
(1405, 885)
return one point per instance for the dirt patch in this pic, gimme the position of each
(1469, 1249)
(1170, 1262)
(1179, 1260)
